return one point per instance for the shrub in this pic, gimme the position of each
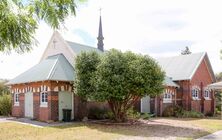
(98, 113)
(192, 114)
(146, 116)
(132, 113)
(5, 105)
(209, 114)
(169, 111)
(177, 111)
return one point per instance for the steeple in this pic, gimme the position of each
(100, 35)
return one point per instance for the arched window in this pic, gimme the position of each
(43, 99)
(16, 99)
(195, 93)
(207, 94)
(167, 98)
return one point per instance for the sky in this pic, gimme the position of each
(158, 28)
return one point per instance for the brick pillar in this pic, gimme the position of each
(18, 111)
(53, 106)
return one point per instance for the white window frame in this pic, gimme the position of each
(44, 99)
(207, 94)
(195, 94)
(167, 97)
(16, 99)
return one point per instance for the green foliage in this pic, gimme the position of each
(218, 95)
(118, 78)
(146, 116)
(132, 113)
(3, 89)
(19, 20)
(85, 68)
(218, 76)
(178, 111)
(192, 114)
(98, 113)
(5, 105)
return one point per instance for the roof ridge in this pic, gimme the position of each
(81, 44)
(53, 67)
(198, 64)
(203, 53)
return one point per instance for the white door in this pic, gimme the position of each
(65, 102)
(29, 104)
(145, 104)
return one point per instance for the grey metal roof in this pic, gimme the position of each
(78, 48)
(181, 67)
(169, 82)
(56, 68)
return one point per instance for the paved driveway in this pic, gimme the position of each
(34, 123)
(215, 136)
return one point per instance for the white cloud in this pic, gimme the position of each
(138, 26)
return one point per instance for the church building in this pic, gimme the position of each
(43, 91)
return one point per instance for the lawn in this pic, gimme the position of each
(158, 128)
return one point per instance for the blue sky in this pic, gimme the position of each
(158, 28)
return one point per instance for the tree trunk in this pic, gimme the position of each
(116, 107)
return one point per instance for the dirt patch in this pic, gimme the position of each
(157, 129)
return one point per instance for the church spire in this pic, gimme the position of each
(100, 35)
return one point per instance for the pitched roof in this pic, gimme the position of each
(78, 48)
(181, 67)
(169, 82)
(55, 68)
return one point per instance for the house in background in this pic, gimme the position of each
(192, 73)
(43, 91)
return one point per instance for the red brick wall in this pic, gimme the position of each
(195, 105)
(18, 111)
(36, 105)
(39, 113)
(53, 106)
(50, 112)
(207, 106)
(202, 78)
(184, 94)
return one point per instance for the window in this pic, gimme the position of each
(195, 94)
(207, 94)
(44, 99)
(16, 99)
(167, 98)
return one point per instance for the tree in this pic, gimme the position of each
(122, 79)
(186, 51)
(3, 88)
(218, 76)
(19, 20)
(85, 67)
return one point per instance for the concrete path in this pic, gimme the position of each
(215, 136)
(34, 123)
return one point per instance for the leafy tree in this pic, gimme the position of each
(3, 88)
(19, 20)
(218, 76)
(85, 67)
(121, 79)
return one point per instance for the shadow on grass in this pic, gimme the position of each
(144, 130)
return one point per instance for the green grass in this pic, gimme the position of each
(159, 128)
